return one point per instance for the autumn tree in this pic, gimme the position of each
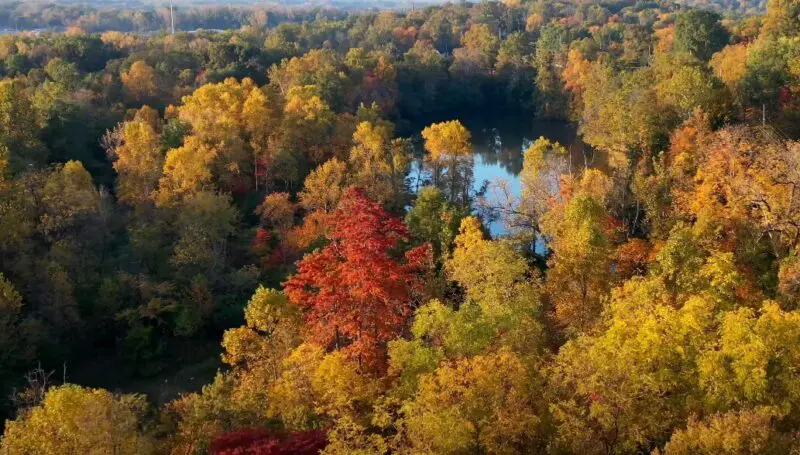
(73, 419)
(481, 404)
(620, 112)
(317, 389)
(448, 145)
(263, 442)
(355, 294)
(781, 18)
(748, 431)
(433, 220)
(323, 187)
(206, 220)
(499, 281)
(138, 161)
(379, 164)
(19, 131)
(231, 125)
(272, 329)
(140, 82)
(578, 275)
(13, 340)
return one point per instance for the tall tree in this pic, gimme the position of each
(700, 33)
(448, 145)
(355, 294)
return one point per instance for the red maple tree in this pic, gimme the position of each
(358, 291)
(262, 442)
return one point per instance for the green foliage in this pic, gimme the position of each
(699, 33)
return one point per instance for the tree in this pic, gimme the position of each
(277, 211)
(356, 296)
(19, 132)
(319, 67)
(751, 431)
(69, 200)
(479, 53)
(139, 163)
(378, 164)
(324, 186)
(448, 144)
(65, 74)
(13, 345)
(73, 419)
(206, 220)
(620, 112)
(316, 389)
(187, 171)
(578, 276)
(730, 65)
(433, 220)
(308, 123)
(781, 18)
(482, 404)
(685, 87)
(549, 58)
(636, 380)
(544, 164)
(140, 82)
(261, 442)
(233, 120)
(271, 331)
(699, 33)
(751, 363)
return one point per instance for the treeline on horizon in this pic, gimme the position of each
(162, 192)
(125, 16)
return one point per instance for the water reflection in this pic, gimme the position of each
(499, 144)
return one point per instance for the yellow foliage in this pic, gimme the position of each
(75, 420)
(480, 405)
(140, 81)
(187, 170)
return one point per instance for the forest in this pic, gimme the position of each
(270, 238)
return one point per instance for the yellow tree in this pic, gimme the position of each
(753, 362)
(308, 123)
(73, 419)
(235, 119)
(138, 162)
(316, 388)
(730, 65)
(379, 164)
(448, 144)
(544, 165)
(579, 271)
(187, 170)
(484, 404)
(19, 131)
(324, 186)
(69, 197)
(635, 381)
(750, 431)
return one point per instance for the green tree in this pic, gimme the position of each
(434, 220)
(699, 33)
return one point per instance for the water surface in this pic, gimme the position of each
(499, 143)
